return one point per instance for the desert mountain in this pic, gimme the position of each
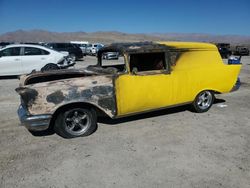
(109, 37)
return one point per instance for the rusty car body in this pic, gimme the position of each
(153, 76)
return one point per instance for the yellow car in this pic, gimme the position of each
(152, 76)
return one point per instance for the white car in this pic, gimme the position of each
(17, 59)
(92, 49)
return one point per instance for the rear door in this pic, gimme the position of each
(34, 59)
(10, 61)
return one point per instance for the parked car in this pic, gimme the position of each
(3, 44)
(81, 44)
(17, 59)
(152, 76)
(224, 50)
(110, 55)
(241, 50)
(92, 49)
(74, 51)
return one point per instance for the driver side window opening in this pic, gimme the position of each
(113, 60)
(147, 62)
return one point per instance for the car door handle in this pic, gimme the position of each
(42, 58)
(17, 59)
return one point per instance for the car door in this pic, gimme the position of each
(10, 61)
(149, 86)
(34, 59)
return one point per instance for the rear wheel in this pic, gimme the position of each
(76, 122)
(203, 101)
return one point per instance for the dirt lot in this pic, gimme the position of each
(169, 148)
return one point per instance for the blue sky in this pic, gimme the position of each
(130, 16)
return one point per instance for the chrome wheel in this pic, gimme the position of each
(77, 121)
(205, 100)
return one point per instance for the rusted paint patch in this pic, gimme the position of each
(87, 94)
(102, 96)
(28, 95)
(56, 97)
(102, 90)
(108, 103)
(73, 93)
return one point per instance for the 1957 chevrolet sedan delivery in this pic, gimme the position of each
(151, 76)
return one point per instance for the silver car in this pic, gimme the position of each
(110, 55)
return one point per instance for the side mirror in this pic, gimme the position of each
(134, 70)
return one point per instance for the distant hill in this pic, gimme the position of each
(109, 37)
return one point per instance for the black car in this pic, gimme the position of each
(241, 50)
(225, 52)
(74, 51)
(224, 49)
(2, 44)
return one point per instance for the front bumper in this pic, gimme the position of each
(33, 122)
(66, 64)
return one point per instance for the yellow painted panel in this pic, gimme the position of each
(194, 72)
(190, 45)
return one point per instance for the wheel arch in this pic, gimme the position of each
(213, 90)
(99, 111)
(200, 107)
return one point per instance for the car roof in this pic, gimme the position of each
(135, 47)
(31, 45)
(147, 47)
(190, 45)
(26, 45)
(60, 43)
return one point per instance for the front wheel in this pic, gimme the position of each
(203, 101)
(76, 122)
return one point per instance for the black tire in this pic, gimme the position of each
(49, 67)
(76, 122)
(203, 101)
(42, 133)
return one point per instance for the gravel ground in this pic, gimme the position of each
(169, 148)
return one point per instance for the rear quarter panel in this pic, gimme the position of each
(204, 70)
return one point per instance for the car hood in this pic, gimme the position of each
(53, 75)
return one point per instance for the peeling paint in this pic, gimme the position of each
(56, 97)
(28, 95)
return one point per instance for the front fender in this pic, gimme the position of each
(47, 97)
